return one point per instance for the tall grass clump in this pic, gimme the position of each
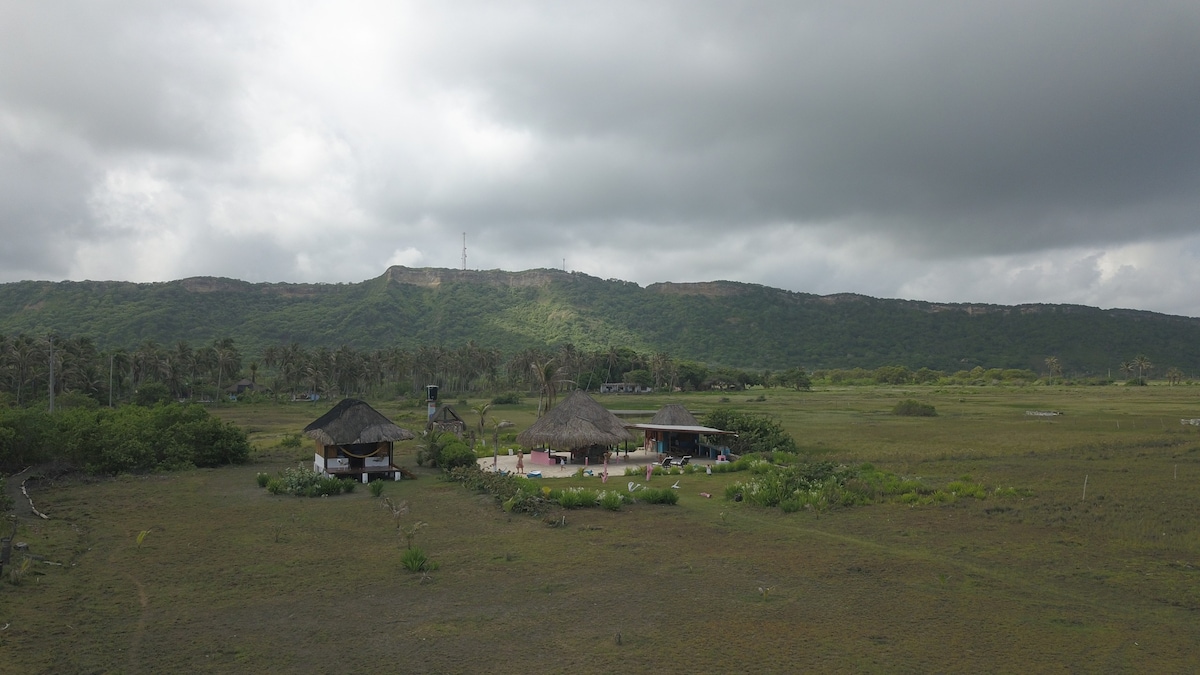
(414, 560)
(912, 408)
(576, 498)
(658, 496)
(611, 500)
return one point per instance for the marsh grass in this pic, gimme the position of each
(1029, 570)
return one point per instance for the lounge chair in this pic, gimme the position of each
(684, 460)
(666, 463)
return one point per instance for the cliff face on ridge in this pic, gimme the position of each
(717, 322)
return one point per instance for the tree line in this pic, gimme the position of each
(70, 371)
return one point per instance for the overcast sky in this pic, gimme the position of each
(1005, 152)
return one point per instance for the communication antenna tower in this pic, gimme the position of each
(464, 251)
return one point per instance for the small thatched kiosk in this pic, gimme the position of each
(579, 426)
(445, 419)
(675, 431)
(355, 439)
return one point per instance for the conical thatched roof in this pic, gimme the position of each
(577, 422)
(674, 414)
(352, 422)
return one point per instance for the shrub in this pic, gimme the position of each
(376, 488)
(152, 393)
(456, 453)
(290, 441)
(912, 408)
(755, 433)
(511, 398)
(444, 450)
(824, 485)
(262, 479)
(964, 488)
(514, 493)
(658, 496)
(302, 481)
(571, 498)
(415, 560)
(611, 500)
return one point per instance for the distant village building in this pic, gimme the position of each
(243, 386)
(624, 388)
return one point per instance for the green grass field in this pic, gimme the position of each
(231, 579)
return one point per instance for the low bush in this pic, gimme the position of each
(965, 487)
(611, 500)
(262, 479)
(456, 454)
(511, 398)
(415, 560)
(376, 488)
(576, 498)
(513, 493)
(658, 496)
(755, 433)
(302, 481)
(913, 408)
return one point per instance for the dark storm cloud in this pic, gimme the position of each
(994, 127)
(1003, 152)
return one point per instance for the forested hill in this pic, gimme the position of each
(720, 322)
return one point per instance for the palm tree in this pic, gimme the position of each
(20, 355)
(612, 359)
(228, 361)
(1143, 365)
(546, 376)
(118, 366)
(1174, 376)
(1126, 369)
(1053, 366)
(482, 411)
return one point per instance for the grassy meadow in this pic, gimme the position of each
(227, 578)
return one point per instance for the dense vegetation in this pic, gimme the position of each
(127, 439)
(735, 324)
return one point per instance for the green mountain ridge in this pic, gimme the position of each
(717, 322)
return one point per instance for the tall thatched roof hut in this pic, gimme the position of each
(355, 439)
(577, 425)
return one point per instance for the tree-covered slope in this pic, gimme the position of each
(729, 323)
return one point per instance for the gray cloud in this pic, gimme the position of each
(1015, 152)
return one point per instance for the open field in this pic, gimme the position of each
(231, 579)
